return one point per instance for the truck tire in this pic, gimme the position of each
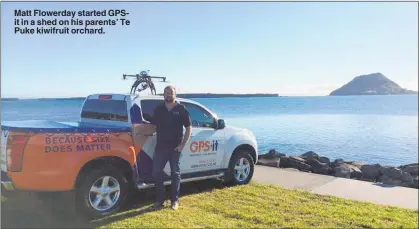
(241, 168)
(102, 192)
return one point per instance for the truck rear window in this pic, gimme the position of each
(115, 110)
(148, 106)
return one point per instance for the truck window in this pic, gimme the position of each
(199, 116)
(115, 110)
(148, 106)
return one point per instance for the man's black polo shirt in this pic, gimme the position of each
(169, 124)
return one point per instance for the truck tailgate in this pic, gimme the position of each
(37, 126)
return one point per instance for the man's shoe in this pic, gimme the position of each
(175, 205)
(158, 206)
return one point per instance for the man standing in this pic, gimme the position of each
(169, 119)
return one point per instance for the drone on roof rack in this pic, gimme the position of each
(145, 80)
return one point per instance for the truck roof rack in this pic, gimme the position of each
(145, 80)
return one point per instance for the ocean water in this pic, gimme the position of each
(373, 129)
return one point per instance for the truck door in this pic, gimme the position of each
(206, 147)
(144, 137)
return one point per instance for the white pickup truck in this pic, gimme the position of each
(111, 148)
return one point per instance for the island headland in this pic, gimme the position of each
(371, 84)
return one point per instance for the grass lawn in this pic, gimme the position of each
(209, 204)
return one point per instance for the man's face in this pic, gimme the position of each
(169, 95)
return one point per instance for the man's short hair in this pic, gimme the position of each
(167, 87)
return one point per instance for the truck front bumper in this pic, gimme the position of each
(6, 182)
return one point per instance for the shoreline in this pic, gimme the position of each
(311, 162)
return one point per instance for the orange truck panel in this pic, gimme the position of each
(53, 161)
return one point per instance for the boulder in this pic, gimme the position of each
(342, 171)
(340, 161)
(406, 177)
(324, 160)
(408, 181)
(271, 154)
(347, 171)
(413, 169)
(356, 173)
(310, 155)
(299, 163)
(395, 176)
(415, 182)
(337, 163)
(284, 162)
(394, 173)
(319, 167)
(357, 164)
(274, 162)
(272, 158)
(275, 159)
(388, 180)
(371, 172)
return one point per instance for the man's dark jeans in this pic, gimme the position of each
(161, 156)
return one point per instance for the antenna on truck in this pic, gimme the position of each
(145, 80)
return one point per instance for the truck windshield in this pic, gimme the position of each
(115, 110)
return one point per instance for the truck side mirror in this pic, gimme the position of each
(221, 124)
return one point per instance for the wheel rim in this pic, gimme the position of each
(104, 193)
(242, 169)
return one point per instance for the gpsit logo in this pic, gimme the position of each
(203, 146)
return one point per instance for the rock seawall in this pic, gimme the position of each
(405, 175)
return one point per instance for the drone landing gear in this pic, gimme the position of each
(145, 80)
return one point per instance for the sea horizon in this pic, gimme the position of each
(278, 95)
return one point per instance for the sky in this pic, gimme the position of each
(293, 49)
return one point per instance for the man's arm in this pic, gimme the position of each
(186, 137)
(188, 126)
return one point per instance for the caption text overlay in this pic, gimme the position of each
(83, 22)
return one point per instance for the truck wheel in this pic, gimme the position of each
(240, 169)
(102, 192)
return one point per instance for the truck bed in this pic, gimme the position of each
(60, 127)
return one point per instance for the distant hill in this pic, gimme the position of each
(372, 84)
